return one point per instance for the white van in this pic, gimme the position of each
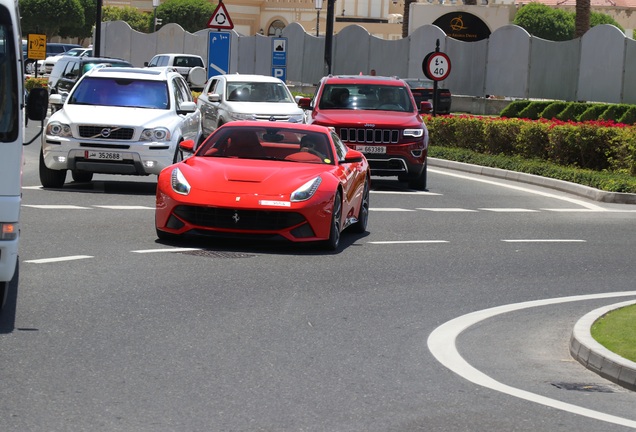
(12, 139)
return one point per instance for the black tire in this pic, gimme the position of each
(178, 155)
(336, 224)
(51, 178)
(419, 182)
(82, 176)
(5, 287)
(29, 66)
(363, 216)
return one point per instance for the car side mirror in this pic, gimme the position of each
(353, 156)
(187, 146)
(426, 107)
(214, 97)
(146, 64)
(37, 104)
(187, 107)
(304, 103)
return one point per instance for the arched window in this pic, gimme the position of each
(276, 28)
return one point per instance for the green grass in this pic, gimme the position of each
(615, 331)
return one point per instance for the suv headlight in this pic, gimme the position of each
(306, 191)
(240, 116)
(415, 133)
(58, 129)
(296, 118)
(156, 134)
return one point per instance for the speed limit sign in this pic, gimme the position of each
(436, 66)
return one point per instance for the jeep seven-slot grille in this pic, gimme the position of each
(106, 132)
(213, 217)
(378, 136)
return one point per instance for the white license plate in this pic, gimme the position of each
(103, 155)
(371, 149)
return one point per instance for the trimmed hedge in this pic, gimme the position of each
(602, 147)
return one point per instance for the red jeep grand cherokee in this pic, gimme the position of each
(377, 116)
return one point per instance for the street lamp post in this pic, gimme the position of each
(318, 7)
(331, 4)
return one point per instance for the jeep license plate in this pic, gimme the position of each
(372, 149)
(103, 155)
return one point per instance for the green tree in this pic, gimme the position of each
(136, 19)
(84, 30)
(47, 16)
(597, 18)
(545, 22)
(192, 15)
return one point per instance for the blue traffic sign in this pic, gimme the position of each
(219, 53)
(279, 52)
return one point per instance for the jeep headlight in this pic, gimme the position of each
(155, 134)
(306, 191)
(415, 133)
(179, 183)
(58, 129)
(240, 116)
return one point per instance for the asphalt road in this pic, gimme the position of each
(111, 330)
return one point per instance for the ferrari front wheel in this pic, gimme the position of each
(336, 218)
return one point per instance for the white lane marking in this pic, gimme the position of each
(408, 241)
(166, 250)
(544, 241)
(32, 187)
(447, 209)
(123, 207)
(519, 188)
(442, 344)
(56, 207)
(404, 193)
(589, 211)
(59, 259)
(509, 210)
(396, 209)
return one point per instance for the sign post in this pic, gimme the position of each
(279, 58)
(436, 66)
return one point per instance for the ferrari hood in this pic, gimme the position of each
(248, 176)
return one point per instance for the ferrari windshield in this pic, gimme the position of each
(130, 93)
(366, 97)
(268, 143)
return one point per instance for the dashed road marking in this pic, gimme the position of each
(59, 259)
(122, 207)
(544, 241)
(142, 251)
(391, 209)
(509, 210)
(448, 209)
(56, 207)
(408, 241)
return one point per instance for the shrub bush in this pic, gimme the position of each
(614, 112)
(514, 108)
(593, 112)
(31, 83)
(534, 109)
(572, 111)
(552, 111)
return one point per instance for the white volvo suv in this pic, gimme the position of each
(119, 121)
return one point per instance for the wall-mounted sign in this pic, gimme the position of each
(463, 26)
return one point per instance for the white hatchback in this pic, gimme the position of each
(226, 98)
(119, 121)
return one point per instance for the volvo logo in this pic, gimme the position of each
(236, 217)
(106, 132)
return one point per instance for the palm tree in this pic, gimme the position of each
(405, 17)
(582, 22)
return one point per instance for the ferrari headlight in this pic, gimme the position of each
(306, 191)
(416, 133)
(239, 116)
(58, 129)
(155, 134)
(179, 183)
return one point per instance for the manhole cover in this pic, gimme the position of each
(593, 388)
(218, 254)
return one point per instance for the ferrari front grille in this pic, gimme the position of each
(106, 132)
(375, 136)
(249, 220)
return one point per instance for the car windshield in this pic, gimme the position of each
(365, 97)
(120, 92)
(270, 143)
(258, 92)
(419, 83)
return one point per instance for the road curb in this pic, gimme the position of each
(594, 356)
(563, 186)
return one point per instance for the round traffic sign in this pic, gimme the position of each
(436, 66)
